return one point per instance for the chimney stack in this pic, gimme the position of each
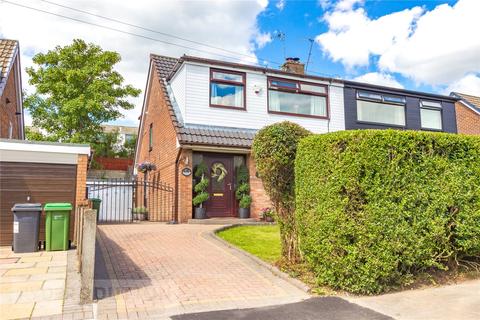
(293, 65)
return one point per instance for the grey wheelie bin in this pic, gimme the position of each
(26, 226)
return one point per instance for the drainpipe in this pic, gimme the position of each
(175, 217)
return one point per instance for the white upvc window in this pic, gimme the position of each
(431, 115)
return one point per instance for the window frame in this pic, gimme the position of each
(381, 101)
(150, 137)
(236, 83)
(300, 91)
(440, 108)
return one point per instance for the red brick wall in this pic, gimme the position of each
(8, 110)
(259, 197)
(468, 122)
(185, 187)
(164, 150)
(114, 163)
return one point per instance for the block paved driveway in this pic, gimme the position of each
(156, 270)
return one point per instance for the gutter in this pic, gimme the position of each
(175, 211)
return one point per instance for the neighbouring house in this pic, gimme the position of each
(40, 172)
(198, 109)
(468, 113)
(11, 108)
(125, 133)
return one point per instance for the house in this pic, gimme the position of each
(468, 113)
(125, 133)
(198, 109)
(11, 108)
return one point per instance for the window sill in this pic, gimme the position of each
(228, 107)
(291, 114)
(382, 124)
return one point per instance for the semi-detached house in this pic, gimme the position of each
(198, 109)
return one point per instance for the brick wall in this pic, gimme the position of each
(82, 164)
(164, 150)
(259, 197)
(185, 188)
(468, 122)
(8, 110)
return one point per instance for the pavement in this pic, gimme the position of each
(156, 270)
(319, 308)
(458, 301)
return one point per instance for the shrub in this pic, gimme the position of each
(274, 149)
(242, 193)
(201, 195)
(374, 208)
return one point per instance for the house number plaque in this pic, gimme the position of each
(186, 171)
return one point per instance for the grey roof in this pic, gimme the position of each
(7, 52)
(198, 134)
(472, 101)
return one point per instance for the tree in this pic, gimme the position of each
(128, 148)
(274, 150)
(105, 144)
(77, 89)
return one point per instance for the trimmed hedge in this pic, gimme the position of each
(376, 207)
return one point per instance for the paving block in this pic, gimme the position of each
(57, 269)
(17, 311)
(8, 298)
(35, 259)
(54, 284)
(20, 286)
(16, 265)
(49, 276)
(48, 308)
(25, 271)
(41, 295)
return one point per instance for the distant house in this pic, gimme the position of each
(11, 108)
(198, 109)
(125, 133)
(468, 113)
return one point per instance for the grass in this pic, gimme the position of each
(261, 241)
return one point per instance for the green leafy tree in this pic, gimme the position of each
(77, 89)
(201, 194)
(128, 148)
(274, 150)
(105, 144)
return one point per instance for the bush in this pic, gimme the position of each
(242, 193)
(274, 150)
(201, 194)
(375, 208)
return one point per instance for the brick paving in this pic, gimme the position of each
(156, 270)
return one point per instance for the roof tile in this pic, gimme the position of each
(7, 51)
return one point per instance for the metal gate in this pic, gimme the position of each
(122, 197)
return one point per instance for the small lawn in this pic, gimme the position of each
(262, 241)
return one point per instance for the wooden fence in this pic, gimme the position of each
(84, 239)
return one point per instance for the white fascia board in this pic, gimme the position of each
(469, 107)
(45, 147)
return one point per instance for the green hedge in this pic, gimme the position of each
(374, 207)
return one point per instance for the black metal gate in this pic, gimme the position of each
(121, 198)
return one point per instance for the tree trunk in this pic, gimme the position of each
(288, 235)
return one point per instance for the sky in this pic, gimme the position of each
(431, 46)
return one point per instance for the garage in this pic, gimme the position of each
(39, 172)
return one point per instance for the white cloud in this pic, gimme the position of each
(231, 25)
(262, 39)
(436, 47)
(345, 5)
(280, 5)
(353, 37)
(381, 79)
(470, 84)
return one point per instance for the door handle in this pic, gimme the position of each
(230, 186)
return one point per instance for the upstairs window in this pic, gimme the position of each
(297, 98)
(431, 115)
(227, 89)
(381, 108)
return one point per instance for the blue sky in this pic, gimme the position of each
(303, 20)
(421, 45)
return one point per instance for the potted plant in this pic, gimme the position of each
(140, 213)
(201, 194)
(242, 193)
(267, 214)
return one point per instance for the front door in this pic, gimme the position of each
(221, 187)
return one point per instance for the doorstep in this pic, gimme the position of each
(225, 221)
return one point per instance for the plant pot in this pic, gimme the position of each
(139, 216)
(200, 213)
(269, 219)
(244, 213)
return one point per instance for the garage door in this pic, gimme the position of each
(41, 182)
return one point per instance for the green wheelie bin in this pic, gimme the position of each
(96, 205)
(57, 226)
